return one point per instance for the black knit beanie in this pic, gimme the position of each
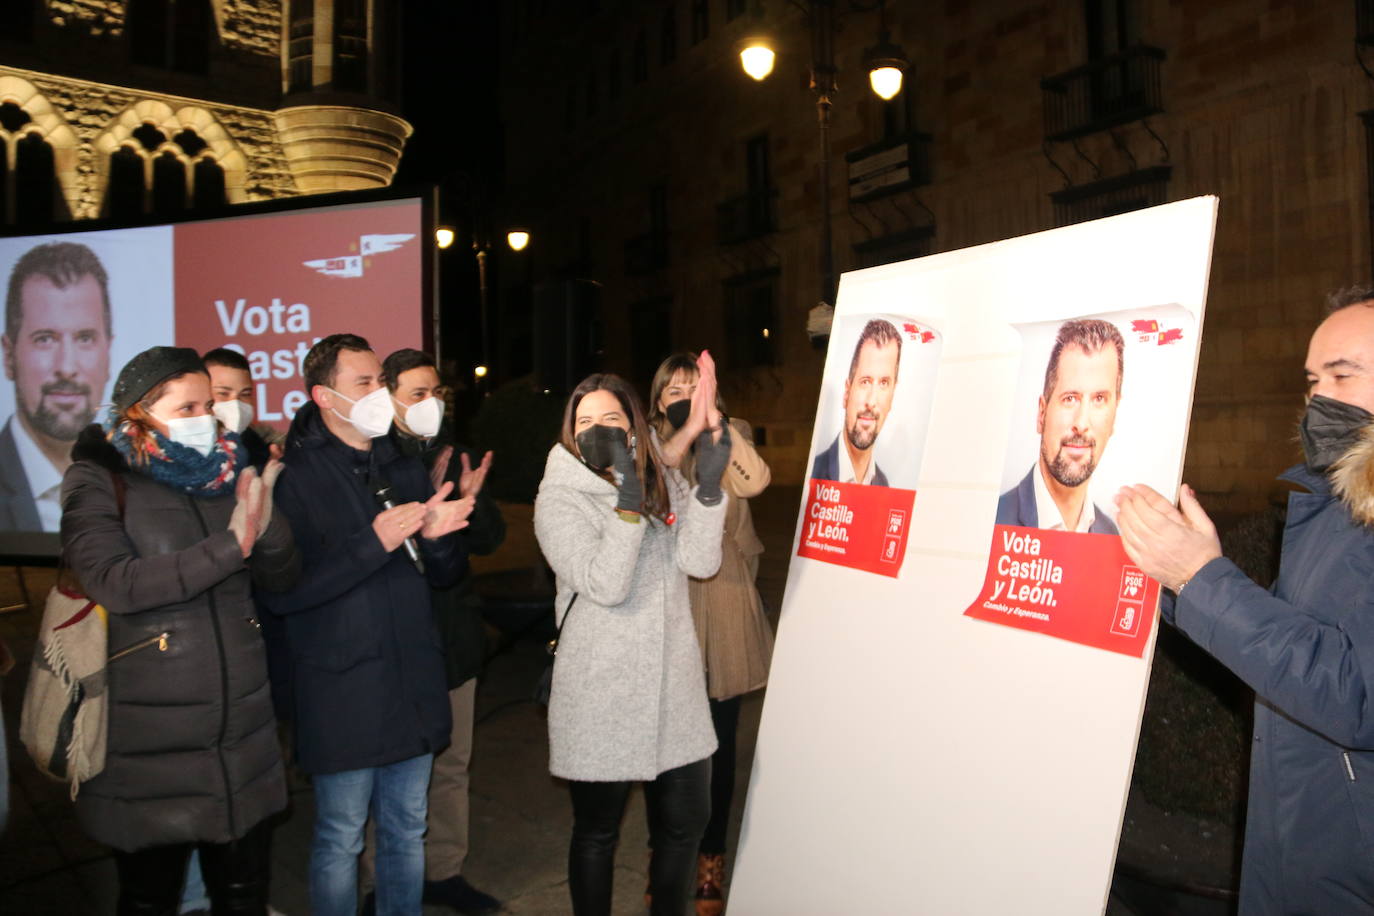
(145, 370)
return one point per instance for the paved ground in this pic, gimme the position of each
(521, 816)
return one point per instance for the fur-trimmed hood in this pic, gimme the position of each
(1352, 478)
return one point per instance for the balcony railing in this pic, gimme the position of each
(888, 166)
(645, 254)
(748, 216)
(1110, 196)
(1114, 90)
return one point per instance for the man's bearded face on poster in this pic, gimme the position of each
(868, 393)
(1077, 419)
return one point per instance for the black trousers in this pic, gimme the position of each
(235, 873)
(725, 717)
(679, 801)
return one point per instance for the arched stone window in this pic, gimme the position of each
(30, 193)
(163, 163)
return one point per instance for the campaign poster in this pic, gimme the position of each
(1088, 394)
(869, 435)
(955, 733)
(271, 287)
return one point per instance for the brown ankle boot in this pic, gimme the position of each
(710, 897)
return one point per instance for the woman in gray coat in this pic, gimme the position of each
(629, 696)
(164, 524)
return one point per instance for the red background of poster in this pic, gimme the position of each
(261, 259)
(874, 541)
(1103, 601)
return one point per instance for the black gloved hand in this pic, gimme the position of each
(712, 458)
(631, 498)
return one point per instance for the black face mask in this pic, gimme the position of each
(678, 412)
(1329, 428)
(599, 445)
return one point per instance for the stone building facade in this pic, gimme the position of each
(137, 109)
(650, 163)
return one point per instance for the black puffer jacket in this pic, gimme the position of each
(367, 667)
(192, 751)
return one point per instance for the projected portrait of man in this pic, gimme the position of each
(1074, 417)
(867, 401)
(57, 352)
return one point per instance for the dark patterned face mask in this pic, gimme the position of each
(678, 412)
(1329, 428)
(599, 445)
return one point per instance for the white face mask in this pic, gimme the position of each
(424, 417)
(235, 415)
(198, 433)
(372, 413)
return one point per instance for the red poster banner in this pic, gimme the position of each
(1075, 586)
(862, 527)
(274, 289)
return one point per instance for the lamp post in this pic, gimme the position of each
(885, 62)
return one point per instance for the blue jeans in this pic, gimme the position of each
(396, 795)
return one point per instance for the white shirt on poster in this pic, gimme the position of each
(847, 474)
(45, 484)
(1046, 509)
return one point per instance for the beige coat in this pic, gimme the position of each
(735, 636)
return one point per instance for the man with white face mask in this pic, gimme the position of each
(231, 385)
(413, 382)
(367, 675)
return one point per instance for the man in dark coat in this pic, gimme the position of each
(368, 682)
(1307, 647)
(420, 430)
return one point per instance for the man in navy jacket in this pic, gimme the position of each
(368, 689)
(1307, 647)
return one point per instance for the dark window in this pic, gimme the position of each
(658, 209)
(701, 20)
(651, 328)
(19, 20)
(35, 182)
(209, 186)
(570, 107)
(350, 45)
(756, 163)
(1112, 27)
(169, 185)
(640, 65)
(593, 95)
(750, 320)
(149, 136)
(734, 9)
(300, 52)
(191, 144)
(613, 75)
(896, 114)
(667, 44)
(12, 117)
(170, 34)
(124, 192)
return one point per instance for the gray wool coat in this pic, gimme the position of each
(629, 695)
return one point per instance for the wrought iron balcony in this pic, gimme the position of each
(1110, 196)
(748, 216)
(1114, 90)
(888, 166)
(646, 253)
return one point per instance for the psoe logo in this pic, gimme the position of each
(353, 265)
(1149, 331)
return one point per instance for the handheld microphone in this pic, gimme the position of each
(382, 493)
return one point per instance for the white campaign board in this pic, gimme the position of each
(912, 759)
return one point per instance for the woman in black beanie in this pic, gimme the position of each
(166, 526)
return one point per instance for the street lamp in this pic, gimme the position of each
(517, 239)
(443, 236)
(886, 63)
